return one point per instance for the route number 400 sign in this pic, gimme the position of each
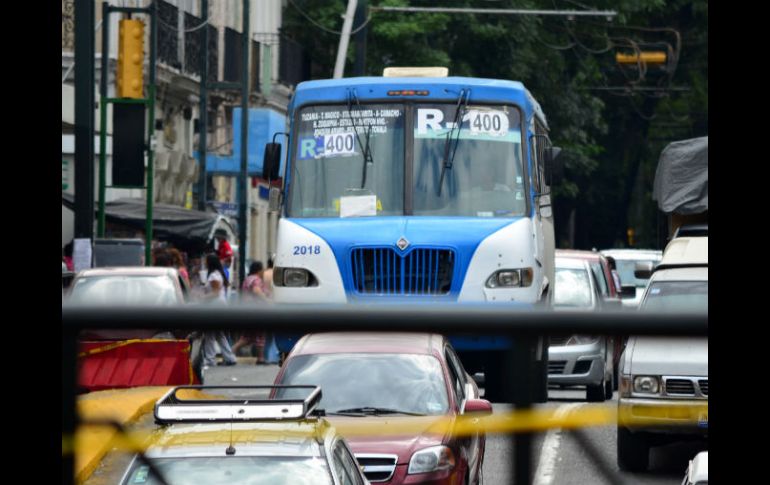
(493, 123)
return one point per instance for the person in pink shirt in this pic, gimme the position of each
(253, 289)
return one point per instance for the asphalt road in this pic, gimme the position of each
(557, 457)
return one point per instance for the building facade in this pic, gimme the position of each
(177, 105)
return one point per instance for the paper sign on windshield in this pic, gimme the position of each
(358, 205)
(490, 122)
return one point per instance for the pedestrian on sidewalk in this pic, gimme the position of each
(179, 264)
(216, 294)
(253, 292)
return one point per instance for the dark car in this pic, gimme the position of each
(387, 380)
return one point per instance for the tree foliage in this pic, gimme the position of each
(612, 138)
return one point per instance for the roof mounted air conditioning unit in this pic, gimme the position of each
(415, 72)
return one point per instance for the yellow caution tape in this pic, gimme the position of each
(516, 421)
(123, 343)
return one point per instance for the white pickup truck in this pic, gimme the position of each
(663, 393)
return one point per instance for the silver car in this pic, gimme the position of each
(579, 359)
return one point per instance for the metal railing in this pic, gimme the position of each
(523, 327)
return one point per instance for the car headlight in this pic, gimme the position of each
(510, 278)
(293, 277)
(581, 339)
(646, 384)
(431, 460)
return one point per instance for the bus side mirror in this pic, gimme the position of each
(271, 164)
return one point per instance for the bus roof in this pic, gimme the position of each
(439, 89)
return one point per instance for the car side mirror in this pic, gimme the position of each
(478, 406)
(271, 163)
(643, 270)
(627, 291)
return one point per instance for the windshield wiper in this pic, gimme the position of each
(375, 411)
(464, 93)
(365, 150)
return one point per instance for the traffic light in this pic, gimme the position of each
(128, 145)
(630, 234)
(130, 76)
(652, 57)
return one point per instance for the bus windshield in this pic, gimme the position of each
(480, 158)
(329, 178)
(483, 176)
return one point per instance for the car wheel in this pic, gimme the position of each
(633, 451)
(595, 393)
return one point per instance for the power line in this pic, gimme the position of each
(499, 11)
(354, 31)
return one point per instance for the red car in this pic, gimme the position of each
(390, 379)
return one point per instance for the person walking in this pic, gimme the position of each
(224, 251)
(253, 291)
(216, 294)
(267, 279)
(178, 263)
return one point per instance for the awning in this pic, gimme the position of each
(168, 221)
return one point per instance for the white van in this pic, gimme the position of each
(663, 393)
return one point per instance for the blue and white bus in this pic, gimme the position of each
(416, 189)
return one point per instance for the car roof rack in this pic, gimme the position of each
(173, 408)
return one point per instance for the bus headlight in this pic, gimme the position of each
(510, 278)
(293, 277)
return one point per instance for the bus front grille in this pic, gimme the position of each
(383, 271)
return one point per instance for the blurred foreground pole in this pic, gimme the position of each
(520, 359)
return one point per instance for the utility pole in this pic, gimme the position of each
(342, 51)
(203, 117)
(243, 190)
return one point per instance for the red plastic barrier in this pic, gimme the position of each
(132, 363)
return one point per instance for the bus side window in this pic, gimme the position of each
(539, 146)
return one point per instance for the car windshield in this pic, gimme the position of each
(572, 288)
(677, 296)
(481, 164)
(233, 470)
(626, 270)
(405, 382)
(329, 177)
(124, 290)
